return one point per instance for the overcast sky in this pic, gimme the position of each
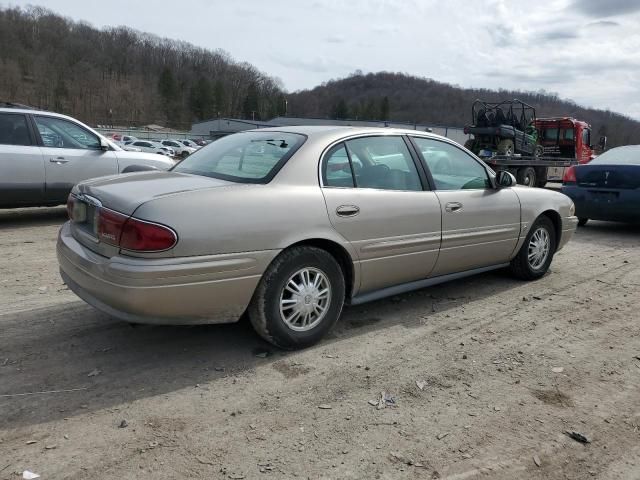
(585, 50)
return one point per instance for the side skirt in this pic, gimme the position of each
(418, 284)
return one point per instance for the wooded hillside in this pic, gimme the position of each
(402, 97)
(119, 76)
(122, 76)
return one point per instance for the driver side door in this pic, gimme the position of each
(71, 154)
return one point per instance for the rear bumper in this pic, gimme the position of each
(183, 290)
(623, 207)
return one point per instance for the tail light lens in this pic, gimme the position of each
(569, 175)
(141, 236)
(132, 234)
(110, 226)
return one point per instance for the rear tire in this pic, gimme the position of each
(582, 221)
(279, 297)
(505, 147)
(536, 253)
(542, 175)
(527, 176)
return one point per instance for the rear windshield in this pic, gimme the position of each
(629, 155)
(252, 157)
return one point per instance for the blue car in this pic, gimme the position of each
(608, 187)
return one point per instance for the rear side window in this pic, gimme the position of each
(381, 162)
(337, 171)
(451, 167)
(384, 163)
(14, 130)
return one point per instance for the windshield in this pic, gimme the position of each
(629, 155)
(253, 157)
(552, 134)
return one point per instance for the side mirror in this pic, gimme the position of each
(505, 179)
(104, 145)
(603, 143)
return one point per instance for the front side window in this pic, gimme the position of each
(60, 133)
(13, 129)
(253, 157)
(450, 167)
(586, 137)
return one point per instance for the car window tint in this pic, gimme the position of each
(60, 133)
(13, 129)
(337, 170)
(450, 167)
(383, 162)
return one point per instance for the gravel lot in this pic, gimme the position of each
(505, 369)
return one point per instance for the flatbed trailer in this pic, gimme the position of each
(531, 171)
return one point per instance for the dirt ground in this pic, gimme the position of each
(482, 376)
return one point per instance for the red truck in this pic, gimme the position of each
(508, 136)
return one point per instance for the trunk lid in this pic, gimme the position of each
(611, 177)
(124, 194)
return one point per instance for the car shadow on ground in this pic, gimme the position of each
(32, 217)
(72, 346)
(597, 231)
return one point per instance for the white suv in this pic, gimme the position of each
(44, 154)
(181, 149)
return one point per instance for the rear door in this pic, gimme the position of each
(71, 154)
(480, 224)
(21, 163)
(377, 199)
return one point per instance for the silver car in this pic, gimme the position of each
(290, 224)
(44, 154)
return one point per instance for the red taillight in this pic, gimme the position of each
(110, 226)
(569, 175)
(143, 236)
(70, 201)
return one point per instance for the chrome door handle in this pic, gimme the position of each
(347, 210)
(58, 160)
(453, 207)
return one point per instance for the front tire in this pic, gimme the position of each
(299, 298)
(535, 255)
(527, 176)
(582, 221)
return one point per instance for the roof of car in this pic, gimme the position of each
(30, 110)
(334, 132)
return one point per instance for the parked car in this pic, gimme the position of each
(178, 147)
(44, 154)
(190, 144)
(608, 187)
(152, 147)
(290, 224)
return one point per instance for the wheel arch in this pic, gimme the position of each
(342, 256)
(556, 220)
